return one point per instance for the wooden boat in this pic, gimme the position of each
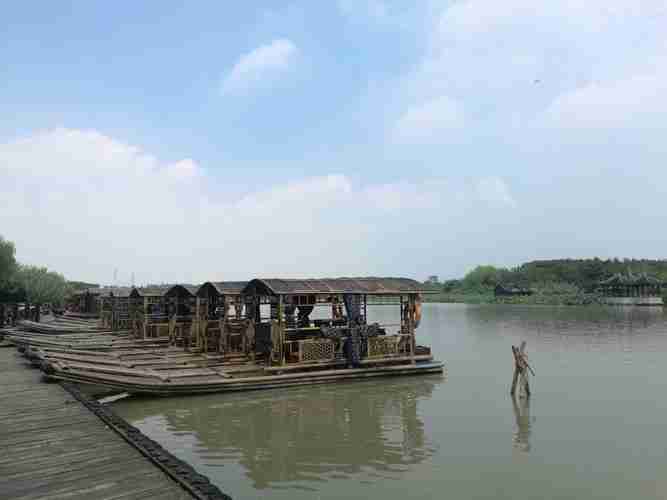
(268, 341)
(207, 380)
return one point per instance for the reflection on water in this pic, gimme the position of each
(302, 435)
(521, 437)
(594, 422)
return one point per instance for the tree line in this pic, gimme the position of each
(584, 274)
(26, 283)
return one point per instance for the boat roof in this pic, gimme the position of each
(365, 286)
(150, 291)
(182, 291)
(105, 291)
(221, 288)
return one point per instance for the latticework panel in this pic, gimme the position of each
(383, 346)
(316, 350)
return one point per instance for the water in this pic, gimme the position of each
(593, 428)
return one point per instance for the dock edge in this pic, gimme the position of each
(198, 485)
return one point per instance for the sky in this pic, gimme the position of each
(195, 141)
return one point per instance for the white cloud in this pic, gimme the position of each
(184, 169)
(263, 62)
(316, 192)
(429, 120)
(84, 203)
(508, 63)
(616, 104)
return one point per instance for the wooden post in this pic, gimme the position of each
(145, 325)
(112, 301)
(199, 336)
(132, 305)
(222, 339)
(281, 326)
(521, 369)
(411, 326)
(250, 338)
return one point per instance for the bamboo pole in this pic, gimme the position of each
(521, 369)
(411, 326)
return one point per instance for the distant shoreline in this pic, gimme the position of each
(535, 299)
(527, 301)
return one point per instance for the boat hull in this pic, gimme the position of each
(165, 388)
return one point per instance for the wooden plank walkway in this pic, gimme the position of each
(52, 446)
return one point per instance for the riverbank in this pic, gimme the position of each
(540, 297)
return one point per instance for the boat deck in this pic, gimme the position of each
(54, 447)
(112, 364)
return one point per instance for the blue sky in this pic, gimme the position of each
(151, 74)
(216, 140)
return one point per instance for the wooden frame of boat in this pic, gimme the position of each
(87, 301)
(148, 312)
(114, 307)
(298, 341)
(219, 321)
(181, 308)
(285, 348)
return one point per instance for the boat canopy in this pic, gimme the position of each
(154, 291)
(329, 286)
(181, 291)
(220, 288)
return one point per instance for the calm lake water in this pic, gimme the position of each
(595, 425)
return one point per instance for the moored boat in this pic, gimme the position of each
(279, 333)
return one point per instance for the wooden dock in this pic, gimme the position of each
(53, 446)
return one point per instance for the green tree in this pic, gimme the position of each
(8, 264)
(42, 286)
(482, 276)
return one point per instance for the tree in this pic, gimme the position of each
(481, 276)
(8, 264)
(42, 286)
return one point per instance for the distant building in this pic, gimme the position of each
(511, 291)
(632, 289)
(433, 280)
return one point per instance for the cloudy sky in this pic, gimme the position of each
(224, 140)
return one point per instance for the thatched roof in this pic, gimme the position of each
(105, 291)
(218, 288)
(366, 286)
(182, 291)
(152, 291)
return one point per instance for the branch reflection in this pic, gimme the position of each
(521, 437)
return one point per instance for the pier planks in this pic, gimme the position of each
(54, 447)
